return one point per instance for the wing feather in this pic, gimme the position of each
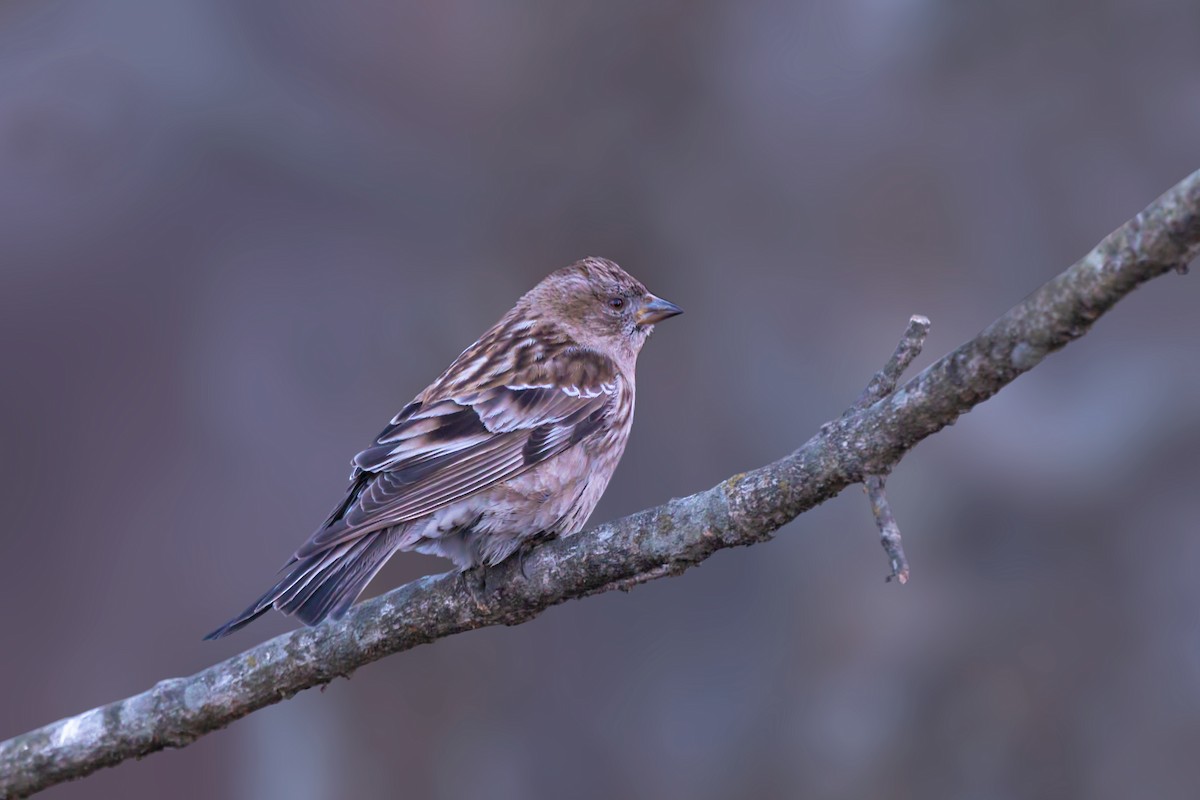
(441, 450)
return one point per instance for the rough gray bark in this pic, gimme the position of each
(881, 385)
(745, 509)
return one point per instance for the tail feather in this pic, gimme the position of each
(317, 568)
(324, 584)
(241, 620)
(335, 594)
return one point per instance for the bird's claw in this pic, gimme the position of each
(523, 556)
(474, 581)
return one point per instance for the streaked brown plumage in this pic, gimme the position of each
(516, 441)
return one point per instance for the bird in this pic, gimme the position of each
(513, 444)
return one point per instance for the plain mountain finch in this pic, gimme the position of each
(515, 442)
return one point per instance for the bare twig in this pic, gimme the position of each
(882, 384)
(742, 510)
(889, 532)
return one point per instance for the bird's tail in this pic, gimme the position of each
(324, 584)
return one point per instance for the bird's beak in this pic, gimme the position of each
(655, 309)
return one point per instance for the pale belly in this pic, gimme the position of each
(553, 499)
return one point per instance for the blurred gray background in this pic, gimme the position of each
(236, 237)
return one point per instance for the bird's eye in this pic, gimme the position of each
(616, 302)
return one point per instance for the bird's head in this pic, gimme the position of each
(600, 305)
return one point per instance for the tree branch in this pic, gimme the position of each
(742, 510)
(882, 384)
(889, 531)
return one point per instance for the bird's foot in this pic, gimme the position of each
(474, 581)
(526, 547)
(523, 555)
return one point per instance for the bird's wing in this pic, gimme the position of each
(442, 449)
